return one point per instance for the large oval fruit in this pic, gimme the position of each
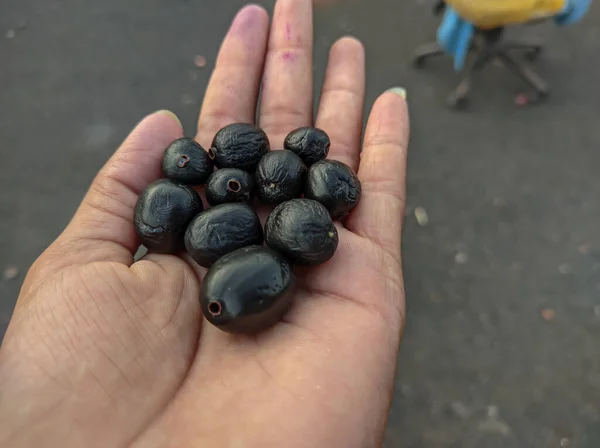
(280, 177)
(162, 214)
(248, 290)
(302, 231)
(334, 185)
(311, 144)
(185, 161)
(229, 185)
(222, 229)
(239, 145)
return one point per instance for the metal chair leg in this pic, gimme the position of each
(525, 73)
(425, 52)
(531, 49)
(430, 50)
(527, 46)
(459, 98)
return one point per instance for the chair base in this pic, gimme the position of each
(488, 46)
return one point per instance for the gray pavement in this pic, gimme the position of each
(503, 283)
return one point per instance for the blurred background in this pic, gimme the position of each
(501, 242)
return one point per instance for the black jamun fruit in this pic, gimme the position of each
(186, 162)
(280, 177)
(335, 185)
(222, 229)
(229, 185)
(239, 145)
(311, 144)
(247, 291)
(302, 231)
(162, 214)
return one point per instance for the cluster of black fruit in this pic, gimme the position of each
(248, 286)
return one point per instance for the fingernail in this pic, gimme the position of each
(398, 91)
(246, 19)
(170, 114)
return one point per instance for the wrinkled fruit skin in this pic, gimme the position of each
(311, 144)
(302, 231)
(247, 291)
(334, 185)
(222, 229)
(229, 185)
(280, 176)
(162, 214)
(186, 162)
(240, 146)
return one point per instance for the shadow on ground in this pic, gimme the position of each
(501, 346)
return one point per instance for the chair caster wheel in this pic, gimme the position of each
(533, 55)
(457, 102)
(531, 99)
(419, 61)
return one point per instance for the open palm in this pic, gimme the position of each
(105, 352)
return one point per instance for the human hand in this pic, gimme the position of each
(104, 352)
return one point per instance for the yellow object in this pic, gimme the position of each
(487, 14)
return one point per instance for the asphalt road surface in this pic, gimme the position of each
(503, 278)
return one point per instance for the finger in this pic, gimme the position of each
(104, 221)
(382, 173)
(232, 92)
(287, 92)
(341, 107)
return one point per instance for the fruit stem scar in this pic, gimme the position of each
(331, 234)
(211, 154)
(215, 308)
(183, 160)
(234, 186)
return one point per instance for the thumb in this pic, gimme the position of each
(102, 228)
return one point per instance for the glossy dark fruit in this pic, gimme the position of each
(185, 161)
(280, 177)
(247, 291)
(302, 231)
(240, 146)
(229, 185)
(311, 144)
(222, 229)
(162, 214)
(335, 185)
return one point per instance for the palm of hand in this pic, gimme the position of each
(106, 352)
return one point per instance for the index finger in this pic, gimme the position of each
(382, 172)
